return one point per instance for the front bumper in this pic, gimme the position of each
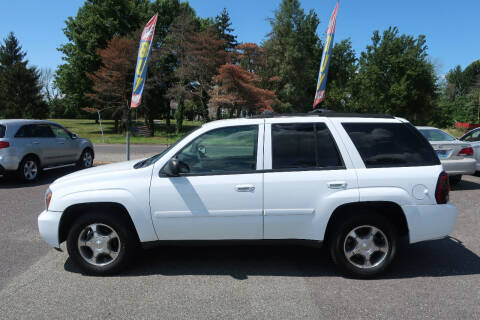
(48, 225)
(428, 222)
(458, 167)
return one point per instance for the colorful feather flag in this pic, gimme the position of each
(142, 60)
(327, 53)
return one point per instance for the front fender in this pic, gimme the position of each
(140, 214)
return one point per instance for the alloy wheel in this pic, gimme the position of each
(366, 247)
(99, 244)
(30, 170)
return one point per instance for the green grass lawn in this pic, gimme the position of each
(456, 132)
(87, 128)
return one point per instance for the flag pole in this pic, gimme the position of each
(128, 132)
(146, 40)
(325, 62)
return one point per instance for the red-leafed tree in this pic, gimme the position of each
(236, 90)
(205, 54)
(112, 83)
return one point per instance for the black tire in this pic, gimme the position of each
(338, 243)
(86, 159)
(127, 246)
(454, 180)
(27, 167)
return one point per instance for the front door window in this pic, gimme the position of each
(224, 150)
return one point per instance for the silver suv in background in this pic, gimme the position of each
(456, 156)
(29, 146)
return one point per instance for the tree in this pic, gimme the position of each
(225, 31)
(341, 77)
(205, 54)
(96, 22)
(236, 91)
(461, 82)
(112, 83)
(395, 76)
(294, 50)
(20, 86)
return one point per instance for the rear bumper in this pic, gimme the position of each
(428, 222)
(48, 225)
(458, 167)
(9, 162)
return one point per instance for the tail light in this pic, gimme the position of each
(4, 144)
(466, 152)
(443, 189)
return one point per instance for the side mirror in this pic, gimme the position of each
(74, 136)
(202, 150)
(172, 168)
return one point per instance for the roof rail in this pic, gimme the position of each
(321, 113)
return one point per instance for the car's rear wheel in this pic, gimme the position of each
(454, 180)
(86, 159)
(101, 243)
(29, 169)
(363, 245)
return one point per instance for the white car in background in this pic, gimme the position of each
(473, 137)
(456, 156)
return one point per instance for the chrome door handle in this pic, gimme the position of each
(337, 185)
(35, 141)
(245, 188)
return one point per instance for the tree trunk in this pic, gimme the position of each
(179, 114)
(167, 117)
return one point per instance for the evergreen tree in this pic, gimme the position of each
(225, 31)
(294, 54)
(20, 87)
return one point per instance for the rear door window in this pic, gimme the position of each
(303, 146)
(2, 131)
(25, 131)
(42, 131)
(391, 145)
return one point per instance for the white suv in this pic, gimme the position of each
(354, 182)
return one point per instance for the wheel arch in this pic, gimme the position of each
(87, 147)
(389, 209)
(32, 155)
(75, 211)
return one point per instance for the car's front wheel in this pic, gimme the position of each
(86, 159)
(101, 243)
(364, 245)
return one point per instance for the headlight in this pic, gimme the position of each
(48, 197)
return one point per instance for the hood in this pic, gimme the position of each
(99, 173)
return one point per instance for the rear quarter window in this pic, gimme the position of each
(2, 131)
(391, 145)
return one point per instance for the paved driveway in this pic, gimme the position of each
(117, 152)
(437, 279)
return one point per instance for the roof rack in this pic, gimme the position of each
(321, 113)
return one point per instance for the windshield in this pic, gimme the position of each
(436, 135)
(155, 158)
(2, 131)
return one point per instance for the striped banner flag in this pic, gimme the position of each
(327, 53)
(142, 60)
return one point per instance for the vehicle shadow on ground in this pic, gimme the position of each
(47, 177)
(467, 184)
(439, 258)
